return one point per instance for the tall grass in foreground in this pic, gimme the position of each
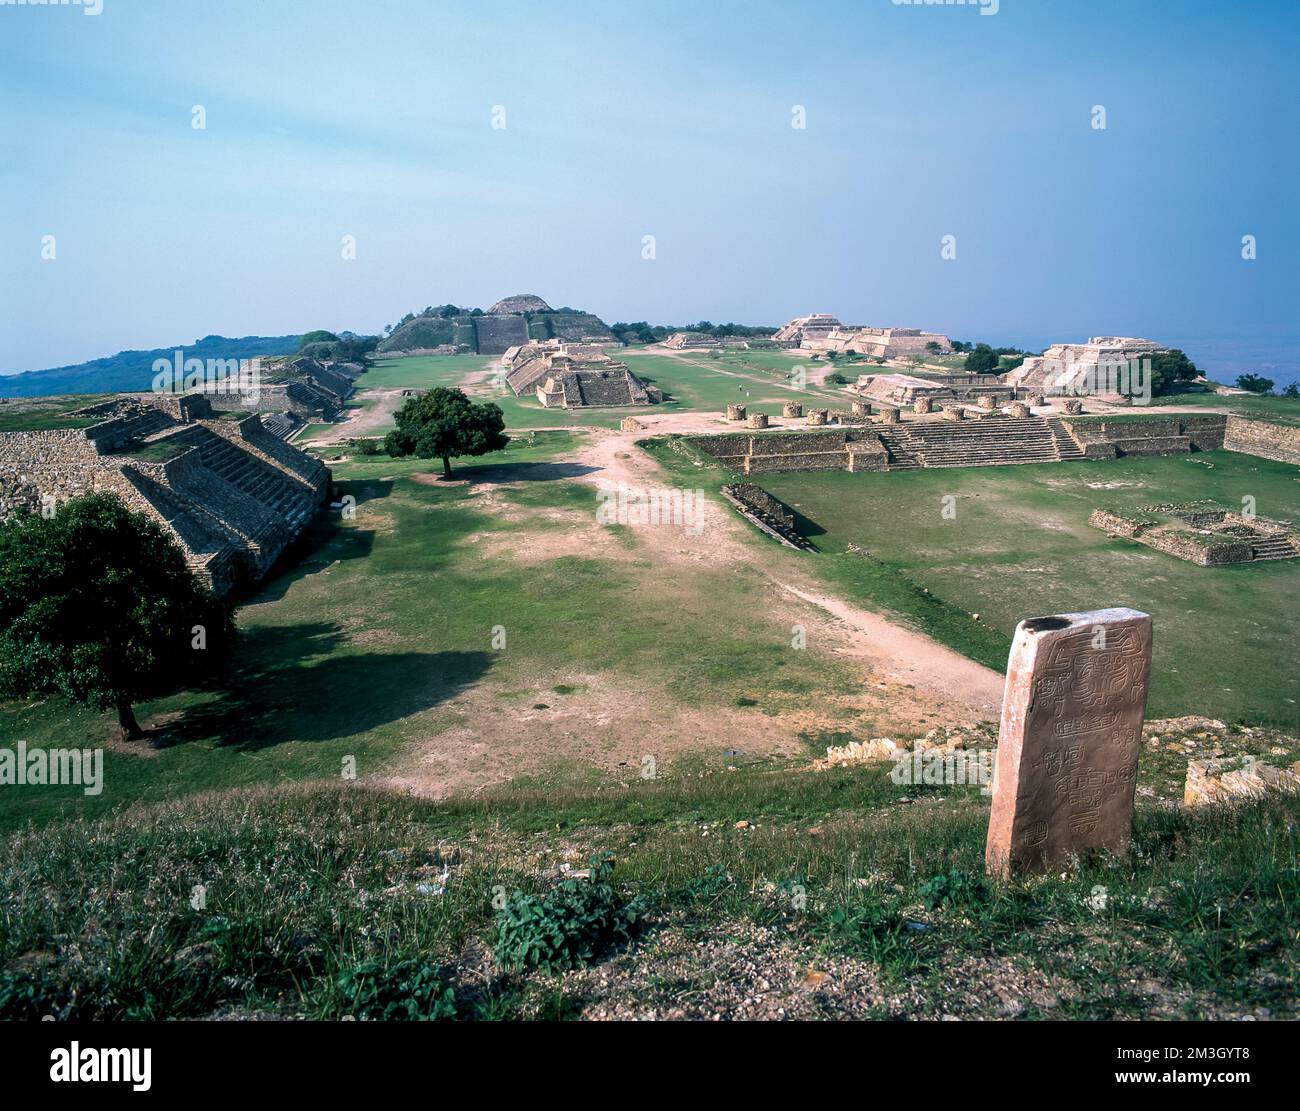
(325, 901)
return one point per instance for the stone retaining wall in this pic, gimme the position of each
(1262, 438)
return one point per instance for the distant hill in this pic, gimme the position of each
(133, 370)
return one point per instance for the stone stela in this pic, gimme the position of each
(1071, 728)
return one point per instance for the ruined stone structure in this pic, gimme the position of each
(589, 385)
(792, 410)
(552, 367)
(1066, 369)
(735, 412)
(1206, 535)
(233, 494)
(827, 449)
(997, 439)
(757, 420)
(801, 329)
(769, 514)
(494, 335)
(1107, 438)
(1263, 438)
(881, 343)
(1069, 739)
(520, 303)
(924, 391)
(511, 322)
(680, 341)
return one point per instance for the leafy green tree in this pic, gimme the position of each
(933, 347)
(1254, 383)
(1169, 369)
(444, 422)
(982, 359)
(1292, 391)
(97, 604)
(318, 336)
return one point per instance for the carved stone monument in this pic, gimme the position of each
(1071, 728)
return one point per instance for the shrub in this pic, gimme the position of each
(955, 889)
(368, 447)
(567, 927)
(411, 990)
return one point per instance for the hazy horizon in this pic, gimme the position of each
(670, 120)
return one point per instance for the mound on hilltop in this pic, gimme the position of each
(519, 303)
(511, 322)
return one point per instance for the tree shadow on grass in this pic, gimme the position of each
(275, 693)
(522, 472)
(324, 542)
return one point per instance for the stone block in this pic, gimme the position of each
(735, 412)
(1068, 744)
(792, 410)
(757, 420)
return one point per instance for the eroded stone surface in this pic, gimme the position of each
(1068, 744)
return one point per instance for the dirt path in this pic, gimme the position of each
(361, 422)
(886, 646)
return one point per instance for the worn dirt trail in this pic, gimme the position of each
(885, 645)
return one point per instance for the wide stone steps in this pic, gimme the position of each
(246, 472)
(1273, 547)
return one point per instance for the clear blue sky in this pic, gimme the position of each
(328, 118)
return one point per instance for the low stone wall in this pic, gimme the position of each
(1116, 525)
(1269, 441)
(772, 516)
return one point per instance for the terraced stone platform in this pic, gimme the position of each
(232, 492)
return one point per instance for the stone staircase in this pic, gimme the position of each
(988, 442)
(1273, 547)
(901, 456)
(246, 473)
(280, 425)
